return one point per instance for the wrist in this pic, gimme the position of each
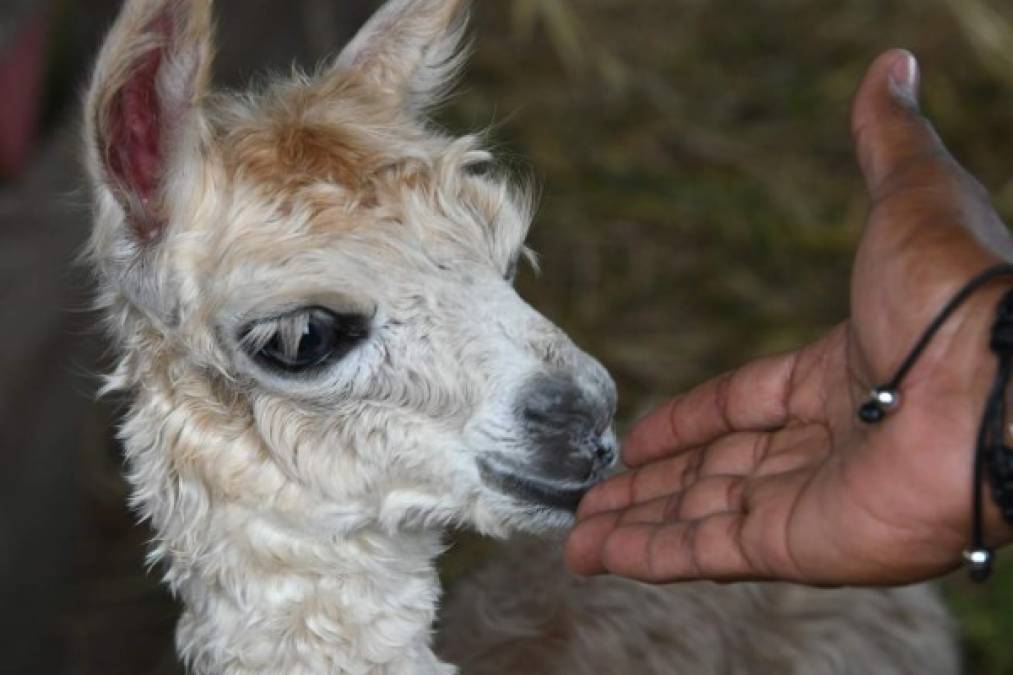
(981, 319)
(943, 401)
(951, 385)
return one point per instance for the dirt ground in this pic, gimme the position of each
(699, 206)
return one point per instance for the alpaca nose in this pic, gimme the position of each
(569, 427)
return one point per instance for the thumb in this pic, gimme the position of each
(901, 156)
(889, 131)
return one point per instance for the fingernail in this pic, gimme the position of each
(904, 75)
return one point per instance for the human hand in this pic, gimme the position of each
(766, 472)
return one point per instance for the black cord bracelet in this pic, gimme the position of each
(992, 455)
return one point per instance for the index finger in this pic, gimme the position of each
(708, 548)
(751, 398)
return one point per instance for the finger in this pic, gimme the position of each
(705, 497)
(644, 484)
(585, 542)
(753, 398)
(931, 219)
(706, 548)
(709, 496)
(902, 157)
(735, 454)
(888, 129)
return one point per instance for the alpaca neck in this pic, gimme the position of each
(274, 579)
(271, 602)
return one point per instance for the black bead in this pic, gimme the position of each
(979, 562)
(980, 574)
(979, 571)
(871, 412)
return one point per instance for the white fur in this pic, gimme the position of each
(298, 519)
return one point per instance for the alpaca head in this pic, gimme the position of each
(317, 285)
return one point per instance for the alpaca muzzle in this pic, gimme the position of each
(568, 431)
(569, 427)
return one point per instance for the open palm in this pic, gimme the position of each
(766, 472)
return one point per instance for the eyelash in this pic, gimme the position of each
(305, 340)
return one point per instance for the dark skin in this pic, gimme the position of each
(766, 472)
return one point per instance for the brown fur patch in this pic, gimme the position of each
(290, 156)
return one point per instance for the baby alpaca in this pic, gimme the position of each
(310, 289)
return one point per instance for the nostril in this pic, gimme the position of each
(605, 453)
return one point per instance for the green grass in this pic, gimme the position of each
(985, 619)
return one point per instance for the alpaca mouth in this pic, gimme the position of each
(560, 496)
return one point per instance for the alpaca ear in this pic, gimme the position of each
(410, 51)
(144, 106)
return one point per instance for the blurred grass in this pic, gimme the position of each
(986, 621)
(700, 202)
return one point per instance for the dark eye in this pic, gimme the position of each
(306, 340)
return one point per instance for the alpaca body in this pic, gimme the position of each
(311, 292)
(524, 614)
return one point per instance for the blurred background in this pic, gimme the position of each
(699, 206)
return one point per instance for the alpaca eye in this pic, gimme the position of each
(306, 340)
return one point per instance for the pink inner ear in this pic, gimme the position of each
(134, 141)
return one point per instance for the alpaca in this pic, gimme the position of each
(310, 291)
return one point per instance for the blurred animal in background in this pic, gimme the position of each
(310, 288)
